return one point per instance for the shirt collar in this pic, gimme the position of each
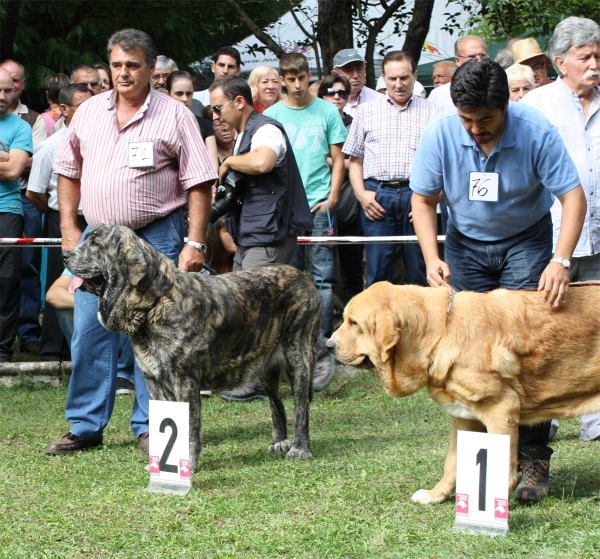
(111, 97)
(408, 104)
(21, 109)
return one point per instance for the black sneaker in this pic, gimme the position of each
(246, 393)
(124, 386)
(534, 463)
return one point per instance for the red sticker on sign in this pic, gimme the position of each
(184, 468)
(462, 503)
(501, 509)
(154, 465)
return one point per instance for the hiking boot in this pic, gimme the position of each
(534, 463)
(245, 393)
(144, 442)
(124, 386)
(70, 444)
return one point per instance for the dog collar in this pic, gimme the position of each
(450, 299)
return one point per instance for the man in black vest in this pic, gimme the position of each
(275, 209)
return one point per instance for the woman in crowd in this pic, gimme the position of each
(520, 81)
(105, 75)
(181, 88)
(225, 137)
(54, 83)
(221, 248)
(336, 89)
(266, 87)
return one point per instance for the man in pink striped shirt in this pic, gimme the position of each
(133, 157)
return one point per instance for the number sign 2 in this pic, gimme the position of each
(482, 466)
(169, 454)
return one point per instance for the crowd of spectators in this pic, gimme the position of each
(328, 157)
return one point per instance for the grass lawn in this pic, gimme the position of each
(352, 500)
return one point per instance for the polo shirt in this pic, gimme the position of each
(531, 161)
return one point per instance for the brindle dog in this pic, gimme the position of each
(191, 332)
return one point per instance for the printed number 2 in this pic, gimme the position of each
(164, 467)
(482, 463)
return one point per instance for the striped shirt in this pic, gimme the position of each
(385, 137)
(97, 152)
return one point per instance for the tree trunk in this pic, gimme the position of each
(8, 29)
(418, 28)
(334, 29)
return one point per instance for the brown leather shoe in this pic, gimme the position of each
(70, 444)
(144, 442)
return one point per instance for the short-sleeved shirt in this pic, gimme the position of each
(98, 153)
(531, 161)
(42, 178)
(366, 95)
(386, 136)
(311, 130)
(15, 133)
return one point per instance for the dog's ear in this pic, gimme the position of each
(386, 334)
(136, 264)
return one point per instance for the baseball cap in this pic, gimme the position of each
(346, 56)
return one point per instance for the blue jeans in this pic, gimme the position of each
(381, 259)
(514, 263)
(31, 287)
(94, 350)
(322, 262)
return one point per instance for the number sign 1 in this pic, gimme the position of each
(482, 467)
(169, 454)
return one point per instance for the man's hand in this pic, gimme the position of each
(373, 210)
(70, 237)
(223, 170)
(438, 272)
(191, 259)
(555, 284)
(322, 206)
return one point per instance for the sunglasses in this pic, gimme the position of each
(217, 109)
(341, 92)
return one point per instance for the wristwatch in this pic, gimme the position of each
(564, 262)
(202, 247)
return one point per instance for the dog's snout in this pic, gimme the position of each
(66, 255)
(331, 341)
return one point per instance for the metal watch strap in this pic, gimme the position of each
(563, 261)
(198, 246)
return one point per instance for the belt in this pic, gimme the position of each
(392, 184)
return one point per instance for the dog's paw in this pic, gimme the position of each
(299, 454)
(425, 497)
(280, 446)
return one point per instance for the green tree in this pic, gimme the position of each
(47, 36)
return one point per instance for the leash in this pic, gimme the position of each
(329, 232)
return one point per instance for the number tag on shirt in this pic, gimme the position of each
(141, 154)
(483, 187)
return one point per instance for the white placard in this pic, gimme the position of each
(483, 187)
(141, 154)
(169, 455)
(482, 468)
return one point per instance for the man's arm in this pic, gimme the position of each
(39, 200)
(424, 218)
(373, 210)
(555, 279)
(13, 163)
(256, 162)
(338, 172)
(199, 201)
(69, 196)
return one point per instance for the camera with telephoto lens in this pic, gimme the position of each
(230, 195)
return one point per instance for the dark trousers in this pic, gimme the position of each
(514, 263)
(31, 286)
(11, 225)
(351, 259)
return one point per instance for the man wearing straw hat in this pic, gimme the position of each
(528, 52)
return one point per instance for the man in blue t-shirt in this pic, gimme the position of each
(15, 149)
(316, 132)
(500, 165)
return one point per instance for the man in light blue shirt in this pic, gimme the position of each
(500, 165)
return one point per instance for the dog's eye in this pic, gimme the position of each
(352, 322)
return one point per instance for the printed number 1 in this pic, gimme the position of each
(164, 467)
(482, 463)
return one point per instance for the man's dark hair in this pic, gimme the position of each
(54, 83)
(228, 51)
(399, 56)
(292, 63)
(132, 39)
(65, 97)
(480, 84)
(232, 86)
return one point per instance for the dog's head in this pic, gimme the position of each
(379, 327)
(127, 275)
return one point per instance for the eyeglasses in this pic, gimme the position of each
(157, 77)
(539, 66)
(478, 56)
(341, 92)
(217, 109)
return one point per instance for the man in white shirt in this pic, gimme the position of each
(466, 48)
(226, 62)
(572, 105)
